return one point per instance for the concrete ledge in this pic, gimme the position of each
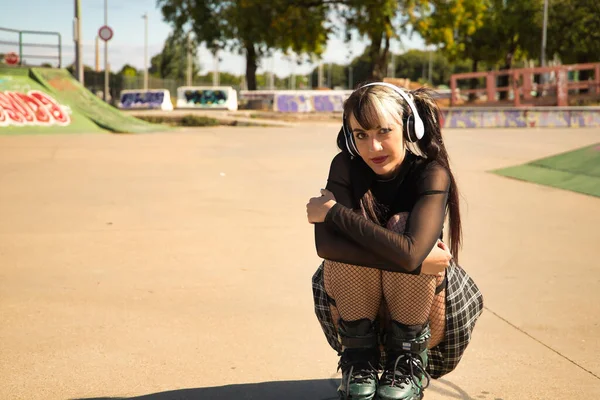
(547, 117)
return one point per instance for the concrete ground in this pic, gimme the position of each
(178, 266)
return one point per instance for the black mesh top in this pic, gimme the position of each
(421, 188)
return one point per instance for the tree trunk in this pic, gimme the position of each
(473, 82)
(382, 61)
(375, 67)
(250, 66)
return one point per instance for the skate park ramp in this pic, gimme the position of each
(578, 171)
(27, 107)
(60, 83)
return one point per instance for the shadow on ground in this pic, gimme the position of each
(324, 389)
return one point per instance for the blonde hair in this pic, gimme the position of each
(374, 104)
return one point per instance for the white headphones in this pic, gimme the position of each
(413, 125)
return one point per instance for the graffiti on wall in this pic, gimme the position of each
(585, 118)
(549, 119)
(520, 118)
(484, 119)
(151, 100)
(31, 108)
(308, 101)
(205, 97)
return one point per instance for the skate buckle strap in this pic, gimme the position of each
(359, 341)
(411, 346)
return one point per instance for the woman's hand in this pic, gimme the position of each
(438, 260)
(318, 207)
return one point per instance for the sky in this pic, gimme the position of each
(127, 44)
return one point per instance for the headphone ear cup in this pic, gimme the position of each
(409, 129)
(349, 138)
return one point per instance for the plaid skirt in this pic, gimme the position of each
(464, 305)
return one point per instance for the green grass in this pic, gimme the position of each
(578, 171)
(187, 120)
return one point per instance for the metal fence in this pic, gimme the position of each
(34, 48)
(560, 85)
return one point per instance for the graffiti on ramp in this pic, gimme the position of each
(32, 108)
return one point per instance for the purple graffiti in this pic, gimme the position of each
(287, 103)
(585, 118)
(462, 119)
(548, 118)
(322, 103)
(142, 99)
(328, 102)
(520, 118)
(317, 102)
(514, 119)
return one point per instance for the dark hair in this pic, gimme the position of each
(362, 105)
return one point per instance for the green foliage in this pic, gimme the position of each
(71, 68)
(470, 34)
(574, 30)
(494, 31)
(186, 120)
(254, 27)
(518, 28)
(376, 20)
(450, 24)
(171, 63)
(225, 78)
(128, 70)
(414, 65)
(334, 75)
(198, 120)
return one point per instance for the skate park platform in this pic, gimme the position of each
(178, 266)
(577, 170)
(58, 104)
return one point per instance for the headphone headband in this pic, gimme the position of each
(419, 128)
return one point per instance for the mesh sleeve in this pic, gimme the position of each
(346, 236)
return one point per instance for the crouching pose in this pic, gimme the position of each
(389, 293)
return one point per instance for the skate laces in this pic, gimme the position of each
(405, 372)
(361, 375)
(358, 371)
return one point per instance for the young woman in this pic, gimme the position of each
(379, 226)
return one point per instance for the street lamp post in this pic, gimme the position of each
(145, 17)
(106, 75)
(543, 60)
(543, 55)
(78, 44)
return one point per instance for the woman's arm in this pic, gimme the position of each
(348, 237)
(332, 245)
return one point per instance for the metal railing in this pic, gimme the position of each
(541, 86)
(23, 46)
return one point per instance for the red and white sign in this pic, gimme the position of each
(105, 33)
(11, 58)
(33, 108)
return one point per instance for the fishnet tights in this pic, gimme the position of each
(409, 299)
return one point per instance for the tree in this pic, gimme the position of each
(71, 68)
(225, 78)
(128, 71)
(252, 27)
(574, 30)
(334, 75)
(459, 28)
(376, 20)
(496, 31)
(493, 31)
(171, 63)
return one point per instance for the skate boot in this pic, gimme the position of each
(405, 377)
(359, 360)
